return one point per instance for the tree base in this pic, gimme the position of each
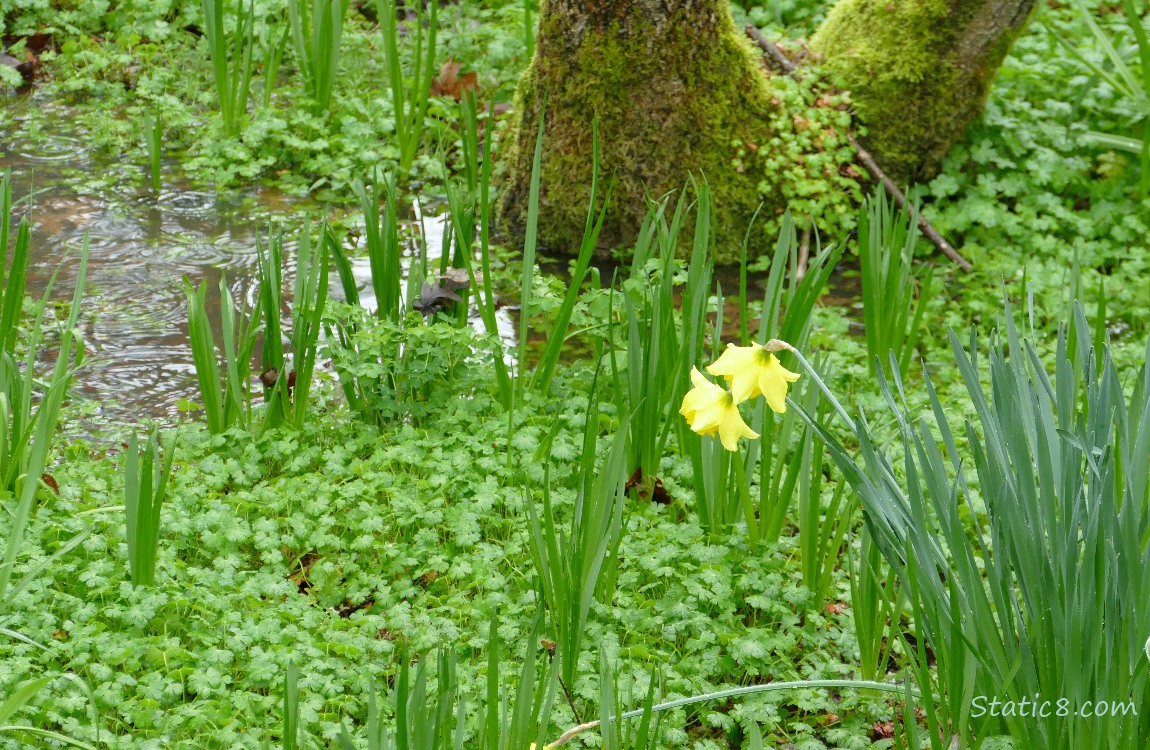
(918, 71)
(676, 93)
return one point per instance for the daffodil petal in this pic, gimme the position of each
(744, 385)
(698, 379)
(775, 392)
(732, 428)
(789, 376)
(773, 382)
(706, 422)
(698, 398)
(705, 395)
(735, 359)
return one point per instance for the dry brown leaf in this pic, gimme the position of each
(50, 480)
(450, 83)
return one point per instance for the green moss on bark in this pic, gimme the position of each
(677, 94)
(918, 70)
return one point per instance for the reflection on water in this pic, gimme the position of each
(141, 247)
(50, 148)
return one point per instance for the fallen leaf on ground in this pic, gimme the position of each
(432, 298)
(450, 83)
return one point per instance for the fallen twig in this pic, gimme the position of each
(780, 61)
(927, 230)
(777, 57)
(570, 700)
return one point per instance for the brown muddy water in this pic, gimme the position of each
(141, 248)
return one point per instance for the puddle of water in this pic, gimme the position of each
(430, 231)
(50, 148)
(135, 317)
(141, 247)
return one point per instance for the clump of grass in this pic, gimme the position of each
(1129, 80)
(517, 719)
(892, 313)
(287, 382)
(26, 433)
(822, 528)
(432, 713)
(426, 719)
(231, 60)
(619, 735)
(241, 325)
(784, 460)
(874, 603)
(272, 53)
(651, 358)
(317, 31)
(381, 237)
(145, 487)
(288, 386)
(469, 210)
(410, 90)
(573, 564)
(1035, 601)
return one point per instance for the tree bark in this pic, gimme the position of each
(918, 71)
(678, 91)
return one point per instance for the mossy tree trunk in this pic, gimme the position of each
(918, 70)
(677, 90)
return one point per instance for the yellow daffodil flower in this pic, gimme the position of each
(754, 370)
(710, 408)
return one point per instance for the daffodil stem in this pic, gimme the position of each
(842, 412)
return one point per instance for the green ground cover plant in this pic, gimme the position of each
(385, 526)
